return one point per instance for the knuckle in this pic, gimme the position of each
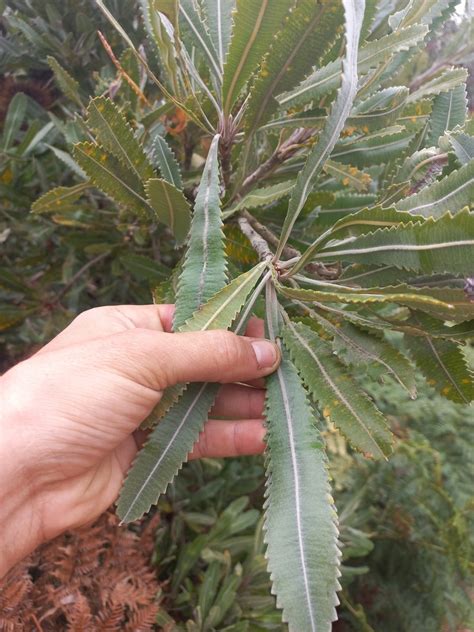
(229, 347)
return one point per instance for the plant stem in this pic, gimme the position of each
(259, 244)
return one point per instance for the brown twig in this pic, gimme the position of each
(282, 153)
(121, 69)
(259, 244)
(318, 269)
(79, 273)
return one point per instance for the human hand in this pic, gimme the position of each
(69, 414)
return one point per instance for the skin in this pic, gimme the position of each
(69, 414)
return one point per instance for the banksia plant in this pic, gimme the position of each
(350, 179)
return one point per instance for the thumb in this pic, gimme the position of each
(163, 359)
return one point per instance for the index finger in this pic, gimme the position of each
(99, 322)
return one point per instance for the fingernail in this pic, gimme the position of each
(265, 352)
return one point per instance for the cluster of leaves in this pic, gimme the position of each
(406, 529)
(352, 184)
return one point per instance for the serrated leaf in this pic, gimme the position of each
(300, 517)
(326, 79)
(302, 41)
(170, 442)
(372, 150)
(162, 157)
(447, 80)
(113, 132)
(356, 347)
(355, 224)
(165, 451)
(219, 20)
(14, 119)
(59, 199)
(109, 175)
(403, 295)
(348, 175)
(255, 24)
(444, 366)
(449, 110)
(68, 85)
(163, 42)
(381, 109)
(200, 36)
(353, 15)
(170, 206)
(452, 193)
(261, 197)
(222, 308)
(463, 147)
(435, 245)
(204, 269)
(338, 396)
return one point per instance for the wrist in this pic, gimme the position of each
(20, 525)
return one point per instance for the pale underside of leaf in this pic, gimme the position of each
(337, 394)
(300, 517)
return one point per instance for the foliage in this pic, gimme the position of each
(350, 178)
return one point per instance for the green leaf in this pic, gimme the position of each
(59, 199)
(170, 442)
(354, 224)
(162, 40)
(300, 517)
(442, 245)
(403, 295)
(302, 41)
(68, 85)
(162, 157)
(463, 147)
(113, 132)
(381, 109)
(356, 347)
(14, 119)
(353, 12)
(449, 110)
(221, 309)
(170, 206)
(219, 22)
(452, 193)
(338, 395)
(443, 364)
(326, 79)
(255, 24)
(372, 150)
(447, 80)
(204, 269)
(144, 268)
(165, 451)
(109, 175)
(348, 175)
(200, 36)
(261, 197)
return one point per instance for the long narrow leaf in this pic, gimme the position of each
(300, 518)
(204, 269)
(354, 12)
(113, 132)
(255, 24)
(170, 206)
(338, 395)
